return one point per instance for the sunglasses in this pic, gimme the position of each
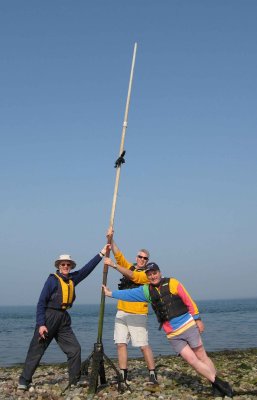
(63, 264)
(145, 258)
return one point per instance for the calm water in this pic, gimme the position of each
(229, 324)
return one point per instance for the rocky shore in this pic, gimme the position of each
(177, 381)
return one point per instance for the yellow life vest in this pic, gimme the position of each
(67, 292)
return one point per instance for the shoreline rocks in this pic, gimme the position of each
(177, 380)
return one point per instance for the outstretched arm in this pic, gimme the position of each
(124, 271)
(135, 276)
(132, 295)
(82, 273)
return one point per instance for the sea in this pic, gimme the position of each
(229, 324)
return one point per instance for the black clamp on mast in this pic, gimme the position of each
(120, 160)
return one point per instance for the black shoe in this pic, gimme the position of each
(153, 378)
(80, 383)
(223, 387)
(75, 382)
(23, 384)
(216, 392)
(124, 376)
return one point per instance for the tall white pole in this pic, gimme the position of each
(124, 128)
(118, 167)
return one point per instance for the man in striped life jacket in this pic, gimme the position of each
(178, 316)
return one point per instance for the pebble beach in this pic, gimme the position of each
(177, 381)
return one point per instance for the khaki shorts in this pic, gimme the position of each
(190, 337)
(131, 327)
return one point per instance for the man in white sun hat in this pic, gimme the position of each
(53, 320)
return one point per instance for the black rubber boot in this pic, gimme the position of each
(153, 377)
(23, 383)
(223, 387)
(124, 375)
(216, 392)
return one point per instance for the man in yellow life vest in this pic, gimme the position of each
(131, 318)
(53, 320)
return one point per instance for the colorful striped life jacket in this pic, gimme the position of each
(165, 304)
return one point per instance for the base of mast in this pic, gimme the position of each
(97, 359)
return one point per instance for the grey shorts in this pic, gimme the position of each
(190, 337)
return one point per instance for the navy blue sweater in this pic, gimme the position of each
(51, 286)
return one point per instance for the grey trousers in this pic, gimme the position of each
(59, 328)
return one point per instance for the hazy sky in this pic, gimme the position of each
(188, 188)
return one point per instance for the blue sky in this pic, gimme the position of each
(188, 188)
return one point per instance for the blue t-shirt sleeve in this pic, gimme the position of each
(82, 273)
(136, 294)
(49, 287)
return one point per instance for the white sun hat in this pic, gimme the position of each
(65, 257)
